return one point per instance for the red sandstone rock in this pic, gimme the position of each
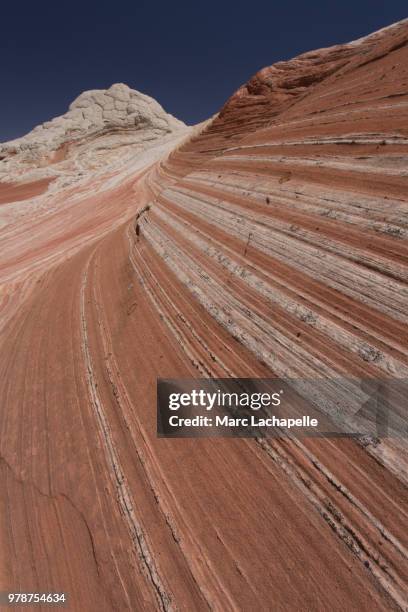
(274, 243)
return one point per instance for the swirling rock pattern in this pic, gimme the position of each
(270, 241)
(100, 127)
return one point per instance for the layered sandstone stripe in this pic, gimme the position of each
(272, 242)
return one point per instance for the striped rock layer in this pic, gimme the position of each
(271, 242)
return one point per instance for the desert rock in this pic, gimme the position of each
(271, 241)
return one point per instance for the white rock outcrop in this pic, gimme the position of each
(99, 126)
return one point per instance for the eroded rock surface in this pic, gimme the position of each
(100, 126)
(271, 241)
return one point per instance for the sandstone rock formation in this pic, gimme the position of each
(100, 126)
(272, 242)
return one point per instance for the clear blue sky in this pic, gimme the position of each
(189, 55)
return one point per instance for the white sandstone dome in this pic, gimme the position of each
(101, 126)
(118, 107)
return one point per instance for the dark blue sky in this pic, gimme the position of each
(189, 55)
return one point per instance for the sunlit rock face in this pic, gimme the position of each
(100, 126)
(269, 241)
(294, 199)
(273, 91)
